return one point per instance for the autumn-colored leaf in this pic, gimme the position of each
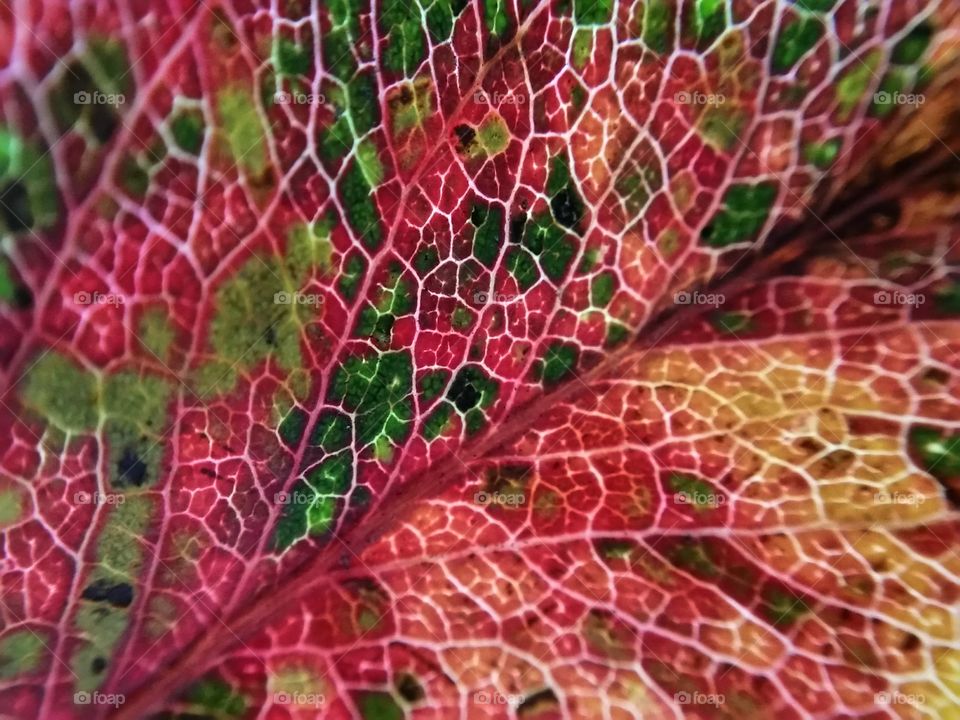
(485, 359)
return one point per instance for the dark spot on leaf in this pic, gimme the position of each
(116, 594)
(465, 134)
(98, 665)
(517, 223)
(409, 689)
(15, 207)
(463, 393)
(567, 208)
(131, 469)
(103, 121)
(537, 703)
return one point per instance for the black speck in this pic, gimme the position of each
(463, 393)
(465, 134)
(409, 689)
(116, 594)
(131, 469)
(567, 208)
(103, 121)
(537, 701)
(517, 223)
(15, 207)
(98, 665)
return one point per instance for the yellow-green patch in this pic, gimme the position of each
(20, 653)
(243, 129)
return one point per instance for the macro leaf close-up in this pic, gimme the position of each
(480, 359)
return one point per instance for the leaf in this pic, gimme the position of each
(284, 292)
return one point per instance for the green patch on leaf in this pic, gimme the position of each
(311, 506)
(693, 491)
(784, 608)
(488, 236)
(822, 154)
(406, 47)
(243, 129)
(657, 25)
(290, 58)
(361, 208)
(495, 17)
(795, 40)
(731, 322)
(21, 652)
(709, 18)
(745, 209)
(854, 83)
(377, 705)
(216, 699)
(187, 128)
(693, 555)
(558, 363)
(947, 298)
(28, 188)
(938, 450)
(332, 432)
(914, 45)
(602, 288)
(551, 243)
(104, 612)
(63, 392)
(378, 390)
(523, 268)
